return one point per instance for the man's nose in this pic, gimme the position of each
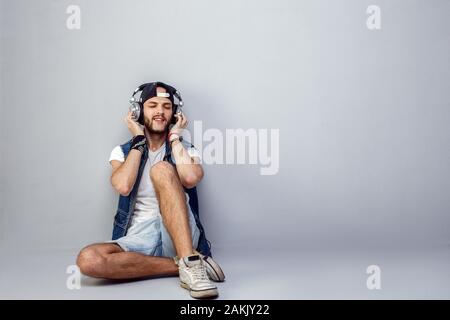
(159, 109)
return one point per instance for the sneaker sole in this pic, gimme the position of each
(215, 273)
(199, 294)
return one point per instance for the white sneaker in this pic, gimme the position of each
(193, 277)
(214, 271)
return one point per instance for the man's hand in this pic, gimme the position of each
(180, 125)
(134, 127)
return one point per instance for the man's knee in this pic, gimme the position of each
(90, 262)
(162, 172)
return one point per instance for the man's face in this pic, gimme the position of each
(157, 113)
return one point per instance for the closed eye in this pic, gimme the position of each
(165, 105)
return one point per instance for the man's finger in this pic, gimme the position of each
(179, 118)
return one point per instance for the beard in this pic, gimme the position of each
(151, 129)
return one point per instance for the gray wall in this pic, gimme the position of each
(363, 116)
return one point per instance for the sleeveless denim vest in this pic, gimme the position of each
(124, 213)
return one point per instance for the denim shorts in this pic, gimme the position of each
(151, 237)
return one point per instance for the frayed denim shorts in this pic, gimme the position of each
(151, 238)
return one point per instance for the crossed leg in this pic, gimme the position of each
(109, 261)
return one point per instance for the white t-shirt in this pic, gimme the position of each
(147, 206)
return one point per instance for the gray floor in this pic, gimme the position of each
(255, 274)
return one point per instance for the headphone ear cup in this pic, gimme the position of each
(174, 119)
(141, 114)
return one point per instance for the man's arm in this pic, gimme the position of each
(189, 168)
(124, 174)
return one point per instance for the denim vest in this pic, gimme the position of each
(124, 213)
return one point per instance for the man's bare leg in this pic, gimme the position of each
(172, 203)
(174, 213)
(109, 261)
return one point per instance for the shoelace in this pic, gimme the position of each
(199, 272)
